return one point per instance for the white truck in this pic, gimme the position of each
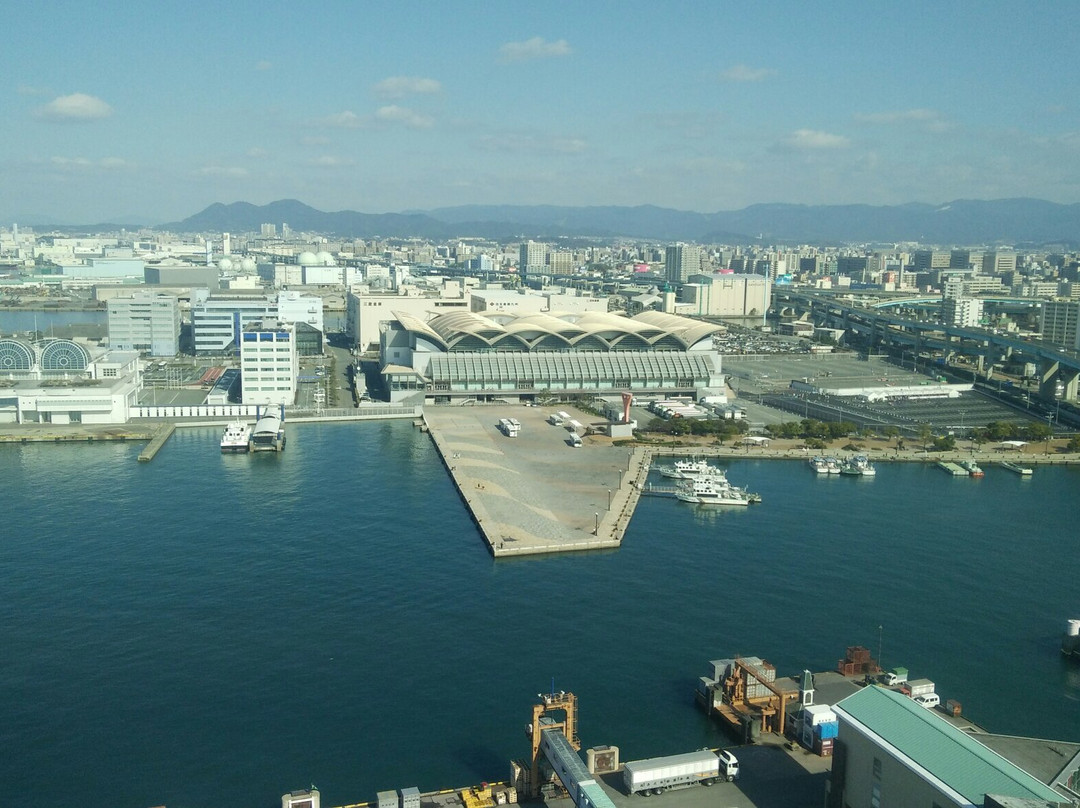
(897, 676)
(656, 775)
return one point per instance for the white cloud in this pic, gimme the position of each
(263, 64)
(401, 86)
(742, 72)
(344, 120)
(85, 164)
(535, 48)
(232, 172)
(514, 142)
(403, 115)
(331, 161)
(812, 139)
(76, 107)
(929, 119)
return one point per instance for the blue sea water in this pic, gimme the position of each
(209, 629)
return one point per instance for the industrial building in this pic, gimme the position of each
(145, 322)
(59, 381)
(725, 294)
(365, 312)
(892, 751)
(464, 355)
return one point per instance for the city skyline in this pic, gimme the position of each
(394, 107)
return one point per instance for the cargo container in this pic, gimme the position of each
(656, 775)
(918, 687)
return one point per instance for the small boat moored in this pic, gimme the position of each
(1023, 471)
(972, 468)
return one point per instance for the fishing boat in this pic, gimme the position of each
(858, 466)
(972, 468)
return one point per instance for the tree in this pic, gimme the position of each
(1074, 444)
(925, 433)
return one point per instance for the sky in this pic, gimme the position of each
(150, 112)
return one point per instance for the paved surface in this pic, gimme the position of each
(535, 493)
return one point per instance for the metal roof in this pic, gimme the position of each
(936, 747)
(546, 368)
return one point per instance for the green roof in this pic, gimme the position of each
(952, 756)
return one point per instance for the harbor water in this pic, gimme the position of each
(213, 629)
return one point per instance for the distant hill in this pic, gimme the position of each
(1006, 221)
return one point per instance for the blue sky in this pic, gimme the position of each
(157, 110)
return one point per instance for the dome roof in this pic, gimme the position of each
(225, 264)
(307, 259)
(247, 264)
(324, 258)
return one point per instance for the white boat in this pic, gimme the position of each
(1023, 471)
(972, 468)
(832, 465)
(236, 436)
(819, 465)
(714, 492)
(692, 470)
(858, 466)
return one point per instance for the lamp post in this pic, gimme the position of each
(609, 499)
(596, 524)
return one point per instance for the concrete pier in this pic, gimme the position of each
(162, 435)
(535, 493)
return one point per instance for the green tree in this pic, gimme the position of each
(925, 433)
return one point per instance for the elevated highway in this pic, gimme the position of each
(1058, 369)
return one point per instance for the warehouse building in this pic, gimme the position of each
(893, 751)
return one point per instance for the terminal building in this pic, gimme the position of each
(464, 356)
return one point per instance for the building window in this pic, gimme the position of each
(877, 768)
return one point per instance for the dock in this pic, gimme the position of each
(534, 493)
(954, 469)
(161, 436)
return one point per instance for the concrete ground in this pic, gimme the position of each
(536, 493)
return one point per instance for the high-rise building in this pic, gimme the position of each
(965, 312)
(269, 363)
(532, 258)
(998, 261)
(681, 261)
(268, 230)
(1059, 322)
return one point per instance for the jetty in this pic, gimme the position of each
(161, 436)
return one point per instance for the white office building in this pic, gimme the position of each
(269, 363)
(219, 320)
(145, 322)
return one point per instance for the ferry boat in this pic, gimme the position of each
(268, 435)
(691, 470)
(1023, 471)
(1070, 641)
(236, 437)
(972, 468)
(858, 466)
(711, 492)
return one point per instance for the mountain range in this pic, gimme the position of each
(1019, 222)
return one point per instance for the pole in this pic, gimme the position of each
(596, 523)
